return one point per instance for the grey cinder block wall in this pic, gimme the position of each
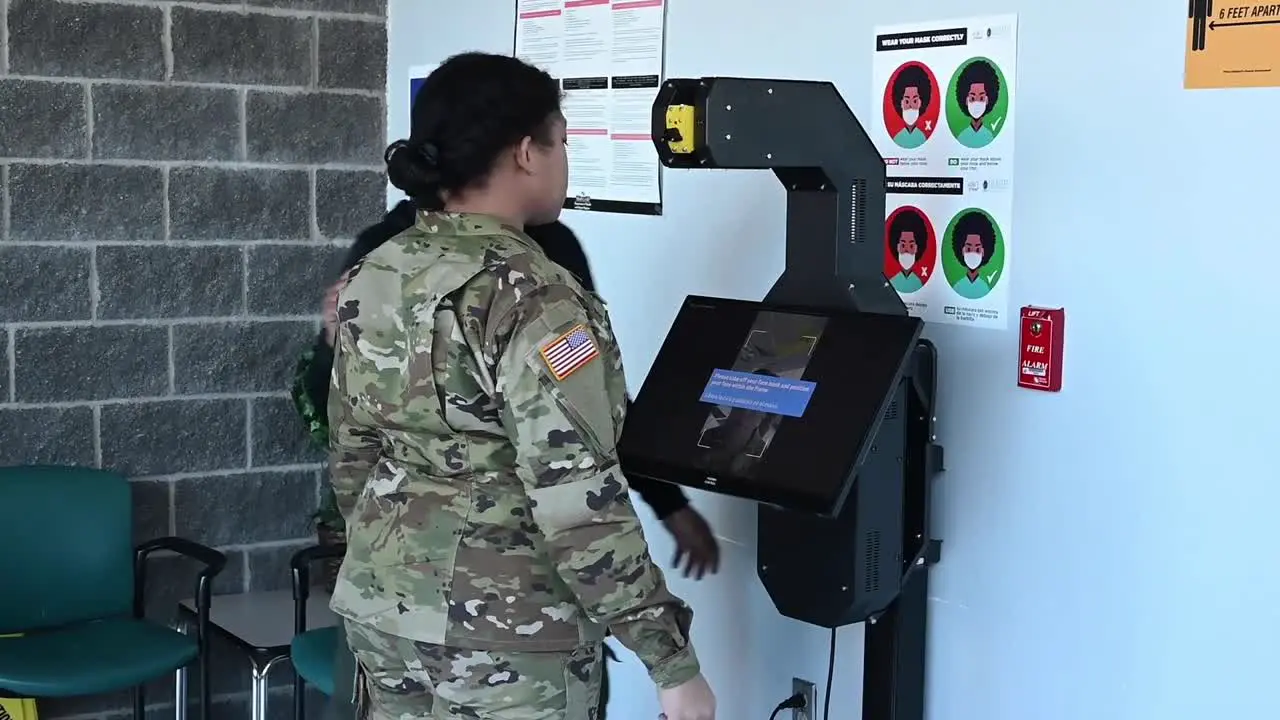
(178, 180)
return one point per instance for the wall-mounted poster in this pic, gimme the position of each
(417, 76)
(946, 93)
(608, 57)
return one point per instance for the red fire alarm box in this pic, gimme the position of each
(1040, 348)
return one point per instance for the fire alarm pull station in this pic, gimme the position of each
(1040, 348)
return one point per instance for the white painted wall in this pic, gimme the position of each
(1108, 555)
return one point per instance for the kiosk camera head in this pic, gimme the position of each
(978, 89)
(974, 240)
(908, 238)
(912, 93)
(488, 136)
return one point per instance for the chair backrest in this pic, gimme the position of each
(66, 546)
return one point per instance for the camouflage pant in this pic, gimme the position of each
(342, 705)
(406, 680)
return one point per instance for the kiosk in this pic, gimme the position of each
(817, 403)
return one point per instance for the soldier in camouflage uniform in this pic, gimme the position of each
(477, 398)
(697, 551)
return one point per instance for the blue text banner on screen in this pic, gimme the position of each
(749, 391)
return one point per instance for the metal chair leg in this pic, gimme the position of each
(139, 703)
(180, 694)
(180, 698)
(206, 694)
(258, 694)
(299, 697)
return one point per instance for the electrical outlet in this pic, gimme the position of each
(810, 692)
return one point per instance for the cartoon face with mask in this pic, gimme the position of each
(976, 102)
(907, 240)
(912, 90)
(973, 241)
(911, 106)
(907, 249)
(972, 253)
(977, 92)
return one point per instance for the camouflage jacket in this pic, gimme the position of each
(477, 397)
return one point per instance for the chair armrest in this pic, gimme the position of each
(300, 568)
(213, 562)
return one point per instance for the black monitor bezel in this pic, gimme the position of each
(829, 506)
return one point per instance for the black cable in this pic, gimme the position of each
(831, 675)
(795, 702)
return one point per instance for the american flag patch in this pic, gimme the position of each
(570, 351)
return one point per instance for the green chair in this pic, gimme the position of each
(75, 588)
(312, 651)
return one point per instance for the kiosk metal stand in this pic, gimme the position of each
(875, 565)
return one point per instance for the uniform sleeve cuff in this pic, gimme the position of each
(668, 507)
(676, 670)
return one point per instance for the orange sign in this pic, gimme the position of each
(1232, 45)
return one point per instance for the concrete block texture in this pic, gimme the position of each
(178, 184)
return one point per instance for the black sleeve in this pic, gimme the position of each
(664, 498)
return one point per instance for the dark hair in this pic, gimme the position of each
(974, 223)
(908, 221)
(470, 109)
(912, 76)
(979, 71)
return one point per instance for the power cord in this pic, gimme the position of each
(795, 702)
(798, 701)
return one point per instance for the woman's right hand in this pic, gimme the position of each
(690, 701)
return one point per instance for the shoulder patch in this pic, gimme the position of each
(570, 352)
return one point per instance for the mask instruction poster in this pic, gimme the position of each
(607, 55)
(946, 92)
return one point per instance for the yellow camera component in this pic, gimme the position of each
(13, 709)
(679, 135)
(17, 708)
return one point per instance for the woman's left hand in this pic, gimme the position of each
(696, 546)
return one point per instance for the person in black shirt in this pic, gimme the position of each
(697, 552)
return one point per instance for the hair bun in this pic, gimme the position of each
(426, 151)
(392, 149)
(430, 154)
(414, 168)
